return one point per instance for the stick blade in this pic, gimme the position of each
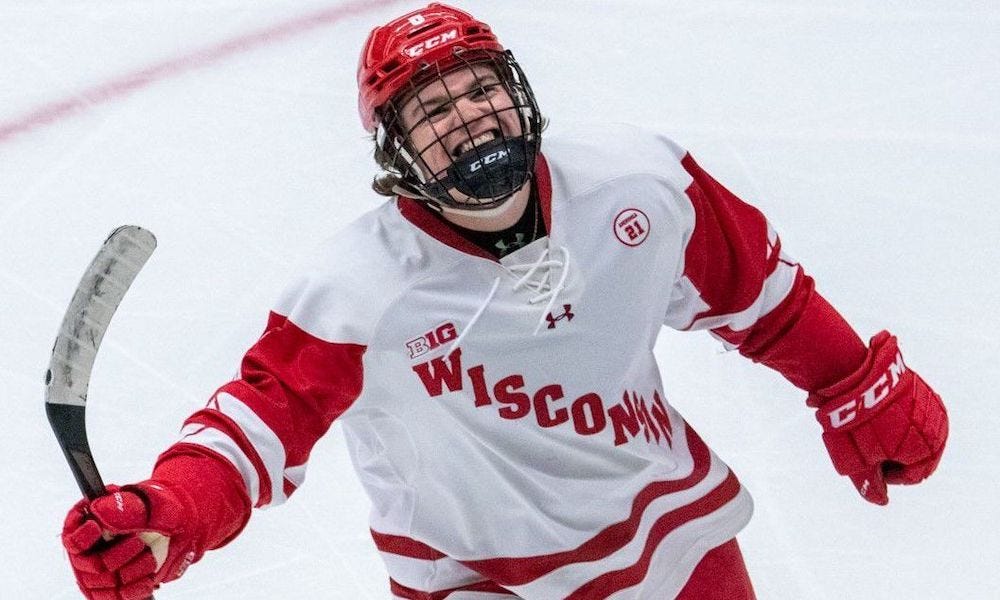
(101, 290)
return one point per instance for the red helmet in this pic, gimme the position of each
(394, 52)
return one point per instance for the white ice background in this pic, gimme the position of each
(868, 131)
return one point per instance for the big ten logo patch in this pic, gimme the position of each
(631, 227)
(431, 340)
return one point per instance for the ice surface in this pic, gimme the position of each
(867, 131)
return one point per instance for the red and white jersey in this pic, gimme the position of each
(507, 417)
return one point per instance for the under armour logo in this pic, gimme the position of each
(505, 248)
(566, 314)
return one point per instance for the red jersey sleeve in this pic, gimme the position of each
(292, 386)
(739, 284)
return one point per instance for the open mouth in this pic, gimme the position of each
(479, 140)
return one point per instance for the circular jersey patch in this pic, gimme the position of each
(631, 227)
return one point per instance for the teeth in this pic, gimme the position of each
(478, 141)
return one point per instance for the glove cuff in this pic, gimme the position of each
(170, 509)
(858, 397)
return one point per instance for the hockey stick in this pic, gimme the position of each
(101, 290)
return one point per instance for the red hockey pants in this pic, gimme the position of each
(721, 575)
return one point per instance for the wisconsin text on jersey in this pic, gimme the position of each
(586, 414)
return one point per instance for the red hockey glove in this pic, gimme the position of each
(882, 424)
(105, 540)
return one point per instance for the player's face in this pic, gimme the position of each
(449, 116)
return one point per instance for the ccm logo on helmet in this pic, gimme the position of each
(431, 42)
(846, 413)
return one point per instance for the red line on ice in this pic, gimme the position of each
(123, 86)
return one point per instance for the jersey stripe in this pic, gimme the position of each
(483, 590)
(614, 581)
(514, 571)
(223, 445)
(404, 546)
(430, 575)
(265, 443)
(236, 446)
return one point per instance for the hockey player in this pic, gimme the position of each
(485, 338)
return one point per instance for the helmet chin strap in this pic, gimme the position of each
(503, 206)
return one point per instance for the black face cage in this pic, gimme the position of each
(484, 176)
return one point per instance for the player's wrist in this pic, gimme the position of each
(216, 488)
(859, 396)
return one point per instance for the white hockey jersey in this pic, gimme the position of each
(507, 417)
